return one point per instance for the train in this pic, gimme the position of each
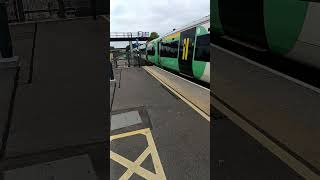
(285, 28)
(143, 51)
(185, 50)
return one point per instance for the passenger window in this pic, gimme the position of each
(202, 52)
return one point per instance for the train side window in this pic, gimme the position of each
(203, 48)
(169, 49)
(176, 47)
(162, 50)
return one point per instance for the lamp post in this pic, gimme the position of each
(5, 37)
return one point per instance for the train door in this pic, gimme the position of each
(187, 43)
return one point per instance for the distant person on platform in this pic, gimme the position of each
(5, 38)
(111, 72)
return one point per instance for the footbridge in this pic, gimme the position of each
(129, 36)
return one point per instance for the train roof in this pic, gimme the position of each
(154, 40)
(190, 25)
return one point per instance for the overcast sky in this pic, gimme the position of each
(154, 15)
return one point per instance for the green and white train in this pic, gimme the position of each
(185, 50)
(288, 28)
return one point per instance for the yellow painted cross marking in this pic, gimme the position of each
(134, 167)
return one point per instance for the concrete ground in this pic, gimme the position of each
(180, 134)
(266, 126)
(237, 155)
(8, 74)
(60, 108)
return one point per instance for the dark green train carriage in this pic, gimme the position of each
(185, 50)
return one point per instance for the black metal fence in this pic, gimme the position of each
(33, 10)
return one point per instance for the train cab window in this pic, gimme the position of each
(202, 52)
(169, 49)
(150, 51)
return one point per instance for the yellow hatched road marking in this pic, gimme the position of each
(131, 133)
(155, 155)
(134, 167)
(139, 161)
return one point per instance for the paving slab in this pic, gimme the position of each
(61, 103)
(68, 89)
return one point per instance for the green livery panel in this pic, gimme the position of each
(272, 24)
(215, 17)
(283, 21)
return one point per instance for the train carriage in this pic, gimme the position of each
(185, 50)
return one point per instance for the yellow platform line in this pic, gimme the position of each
(202, 113)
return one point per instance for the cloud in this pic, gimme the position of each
(159, 16)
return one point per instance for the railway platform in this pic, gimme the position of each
(50, 98)
(262, 121)
(155, 133)
(155, 109)
(238, 155)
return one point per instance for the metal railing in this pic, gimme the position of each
(129, 34)
(33, 10)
